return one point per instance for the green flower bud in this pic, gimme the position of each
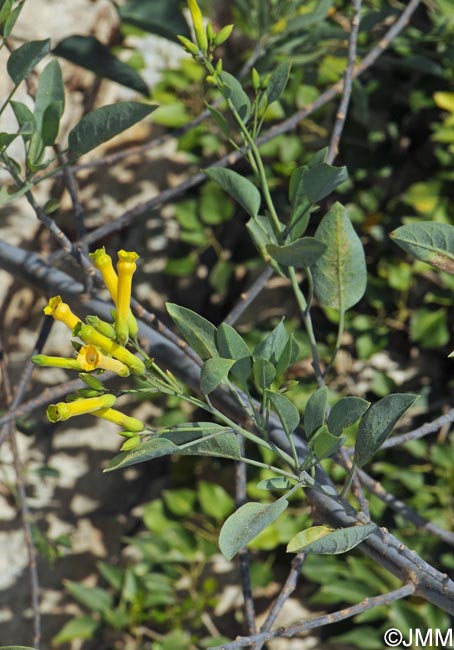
(223, 35)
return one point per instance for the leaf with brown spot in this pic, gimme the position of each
(429, 241)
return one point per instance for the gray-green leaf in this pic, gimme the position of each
(246, 523)
(82, 627)
(429, 241)
(105, 123)
(287, 412)
(345, 413)
(378, 422)
(50, 91)
(231, 345)
(300, 253)
(198, 331)
(213, 373)
(233, 90)
(340, 274)
(278, 82)
(320, 180)
(22, 61)
(264, 372)
(314, 415)
(239, 188)
(326, 541)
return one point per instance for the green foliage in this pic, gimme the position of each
(326, 541)
(103, 124)
(378, 422)
(340, 274)
(246, 523)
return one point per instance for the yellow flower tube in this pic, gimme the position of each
(197, 21)
(90, 358)
(124, 421)
(126, 267)
(90, 336)
(65, 410)
(103, 262)
(56, 362)
(61, 311)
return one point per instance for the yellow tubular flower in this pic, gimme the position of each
(61, 311)
(90, 358)
(126, 267)
(90, 336)
(103, 262)
(124, 421)
(64, 410)
(56, 362)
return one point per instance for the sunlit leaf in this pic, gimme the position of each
(326, 541)
(246, 523)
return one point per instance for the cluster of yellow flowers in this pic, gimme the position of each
(103, 345)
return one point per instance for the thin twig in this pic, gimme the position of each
(24, 511)
(402, 509)
(249, 296)
(320, 621)
(24, 380)
(79, 212)
(243, 555)
(398, 506)
(416, 434)
(341, 114)
(285, 593)
(420, 432)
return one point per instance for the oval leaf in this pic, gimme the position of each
(22, 61)
(345, 413)
(378, 422)
(231, 345)
(288, 413)
(213, 373)
(95, 598)
(428, 241)
(238, 187)
(324, 443)
(198, 332)
(324, 541)
(233, 90)
(104, 123)
(246, 523)
(50, 92)
(320, 180)
(340, 274)
(314, 415)
(264, 372)
(89, 53)
(300, 253)
(277, 82)
(82, 627)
